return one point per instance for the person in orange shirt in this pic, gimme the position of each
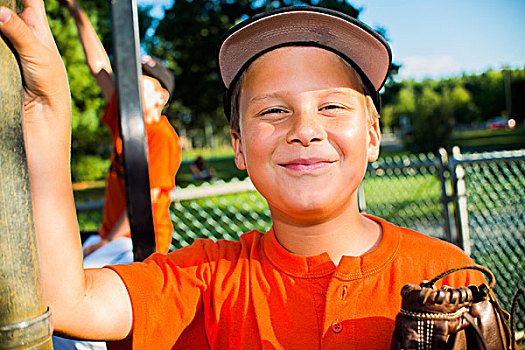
(302, 99)
(164, 151)
(113, 244)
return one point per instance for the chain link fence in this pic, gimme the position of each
(476, 201)
(495, 203)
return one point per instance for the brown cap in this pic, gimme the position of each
(361, 46)
(153, 67)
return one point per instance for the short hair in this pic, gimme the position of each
(371, 110)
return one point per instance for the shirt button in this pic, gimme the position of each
(344, 292)
(337, 327)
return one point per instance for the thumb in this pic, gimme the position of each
(42, 67)
(16, 31)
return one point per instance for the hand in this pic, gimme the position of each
(91, 248)
(68, 4)
(46, 89)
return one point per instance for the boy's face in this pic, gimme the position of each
(304, 136)
(154, 98)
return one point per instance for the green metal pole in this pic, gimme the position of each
(24, 318)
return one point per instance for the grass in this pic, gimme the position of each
(224, 167)
(490, 140)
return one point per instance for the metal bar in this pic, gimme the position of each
(460, 201)
(24, 319)
(445, 198)
(492, 157)
(361, 199)
(128, 70)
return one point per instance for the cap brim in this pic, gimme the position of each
(154, 68)
(345, 35)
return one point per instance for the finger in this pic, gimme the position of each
(36, 6)
(16, 31)
(34, 15)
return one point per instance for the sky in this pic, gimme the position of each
(439, 39)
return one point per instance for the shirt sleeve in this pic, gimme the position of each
(166, 293)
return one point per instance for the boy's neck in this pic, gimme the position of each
(349, 234)
(152, 117)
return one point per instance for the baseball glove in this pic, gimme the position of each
(448, 318)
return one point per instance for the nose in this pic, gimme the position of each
(306, 127)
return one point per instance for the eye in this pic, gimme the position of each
(273, 110)
(332, 107)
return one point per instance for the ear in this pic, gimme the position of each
(165, 96)
(374, 140)
(237, 149)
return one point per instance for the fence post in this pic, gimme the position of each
(361, 199)
(24, 318)
(460, 201)
(445, 197)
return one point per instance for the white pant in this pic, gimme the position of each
(67, 344)
(118, 251)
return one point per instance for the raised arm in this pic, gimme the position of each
(96, 56)
(86, 304)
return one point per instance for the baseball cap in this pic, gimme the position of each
(154, 68)
(361, 46)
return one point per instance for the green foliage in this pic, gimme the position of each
(463, 108)
(431, 120)
(87, 101)
(89, 168)
(435, 108)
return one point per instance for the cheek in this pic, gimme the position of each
(260, 141)
(146, 102)
(349, 137)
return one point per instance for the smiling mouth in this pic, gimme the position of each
(306, 164)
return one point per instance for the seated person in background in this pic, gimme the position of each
(200, 171)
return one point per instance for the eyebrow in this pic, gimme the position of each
(323, 93)
(341, 91)
(266, 96)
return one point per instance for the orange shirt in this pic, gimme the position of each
(254, 294)
(164, 157)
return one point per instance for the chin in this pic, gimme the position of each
(306, 207)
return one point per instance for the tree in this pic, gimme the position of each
(431, 120)
(488, 93)
(463, 108)
(429, 110)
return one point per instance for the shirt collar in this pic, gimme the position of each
(349, 267)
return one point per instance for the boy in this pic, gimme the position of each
(113, 243)
(301, 97)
